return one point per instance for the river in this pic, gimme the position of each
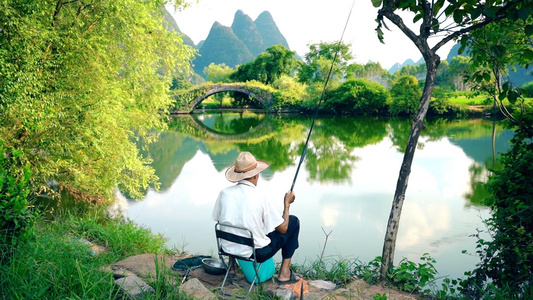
(344, 188)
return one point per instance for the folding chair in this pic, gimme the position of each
(247, 240)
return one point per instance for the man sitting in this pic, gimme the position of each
(244, 206)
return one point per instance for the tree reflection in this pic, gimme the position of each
(280, 141)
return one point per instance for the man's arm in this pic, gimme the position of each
(287, 201)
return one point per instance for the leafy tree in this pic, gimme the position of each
(371, 71)
(81, 81)
(493, 50)
(418, 71)
(218, 73)
(405, 94)
(458, 67)
(319, 61)
(268, 66)
(357, 96)
(448, 20)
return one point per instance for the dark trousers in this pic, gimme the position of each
(287, 242)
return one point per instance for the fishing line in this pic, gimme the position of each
(321, 98)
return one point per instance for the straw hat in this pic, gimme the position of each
(246, 166)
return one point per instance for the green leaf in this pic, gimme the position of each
(528, 29)
(524, 14)
(377, 3)
(476, 13)
(417, 18)
(458, 16)
(437, 7)
(489, 12)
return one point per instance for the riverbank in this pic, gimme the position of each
(61, 257)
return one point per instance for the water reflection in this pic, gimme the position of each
(345, 185)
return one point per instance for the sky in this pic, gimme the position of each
(304, 22)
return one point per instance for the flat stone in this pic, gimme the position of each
(134, 286)
(322, 284)
(121, 272)
(144, 264)
(193, 287)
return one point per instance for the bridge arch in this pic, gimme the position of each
(199, 94)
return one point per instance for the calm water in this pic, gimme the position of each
(345, 185)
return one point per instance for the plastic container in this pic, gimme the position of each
(266, 271)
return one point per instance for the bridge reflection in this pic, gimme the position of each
(231, 127)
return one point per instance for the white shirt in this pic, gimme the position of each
(244, 206)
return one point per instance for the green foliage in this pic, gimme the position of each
(405, 96)
(52, 263)
(507, 259)
(218, 73)
(290, 93)
(337, 271)
(80, 83)
(371, 71)
(379, 296)
(369, 272)
(268, 66)
(319, 62)
(122, 238)
(440, 103)
(15, 216)
(407, 276)
(412, 277)
(357, 96)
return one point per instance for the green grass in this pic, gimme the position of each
(464, 100)
(50, 263)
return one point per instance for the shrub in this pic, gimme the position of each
(440, 103)
(405, 96)
(290, 92)
(357, 96)
(507, 260)
(15, 214)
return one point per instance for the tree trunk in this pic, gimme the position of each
(432, 62)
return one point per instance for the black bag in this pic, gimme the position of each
(192, 262)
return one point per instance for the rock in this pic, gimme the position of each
(284, 294)
(322, 284)
(95, 249)
(193, 287)
(121, 272)
(144, 264)
(134, 286)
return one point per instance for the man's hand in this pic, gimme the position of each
(289, 198)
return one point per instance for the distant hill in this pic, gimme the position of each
(172, 25)
(221, 46)
(238, 44)
(518, 77)
(246, 30)
(269, 31)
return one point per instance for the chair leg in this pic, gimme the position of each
(230, 264)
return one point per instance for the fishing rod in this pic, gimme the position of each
(321, 98)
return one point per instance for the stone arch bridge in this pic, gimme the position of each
(186, 102)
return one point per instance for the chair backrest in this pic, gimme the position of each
(244, 238)
(247, 240)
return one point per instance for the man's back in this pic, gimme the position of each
(242, 205)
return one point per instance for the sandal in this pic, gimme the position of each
(294, 278)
